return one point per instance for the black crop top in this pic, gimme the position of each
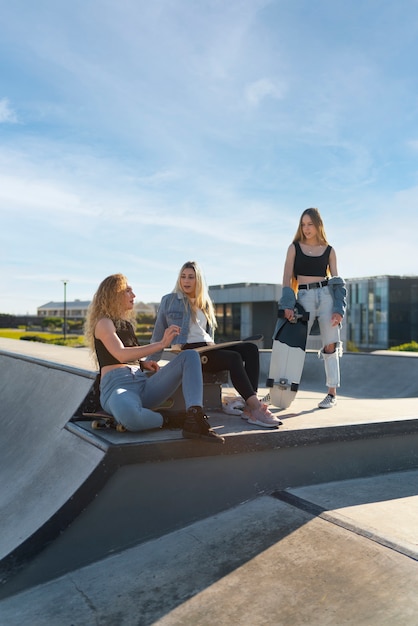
(126, 334)
(310, 265)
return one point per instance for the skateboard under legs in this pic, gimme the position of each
(104, 421)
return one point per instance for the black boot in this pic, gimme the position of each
(173, 419)
(196, 426)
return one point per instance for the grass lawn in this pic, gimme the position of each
(44, 337)
(143, 334)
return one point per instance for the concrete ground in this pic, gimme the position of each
(266, 562)
(341, 552)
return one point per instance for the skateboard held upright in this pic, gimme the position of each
(287, 357)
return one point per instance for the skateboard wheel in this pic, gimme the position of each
(204, 359)
(294, 387)
(120, 428)
(270, 382)
(97, 424)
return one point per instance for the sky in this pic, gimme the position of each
(137, 135)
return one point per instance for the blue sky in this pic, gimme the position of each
(136, 135)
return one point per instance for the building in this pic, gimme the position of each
(245, 309)
(382, 311)
(77, 309)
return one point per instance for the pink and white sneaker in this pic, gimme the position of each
(264, 418)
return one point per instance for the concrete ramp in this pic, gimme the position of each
(58, 474)
(383, 375)
(42, 465)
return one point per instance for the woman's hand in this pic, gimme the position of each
(289, 314)
(336, 319)
(169, 334)
(150, 366)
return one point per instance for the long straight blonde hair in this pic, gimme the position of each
(317, 222)
(316, 218)
(202, 299)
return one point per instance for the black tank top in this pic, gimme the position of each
(126, 334)
(306, 265)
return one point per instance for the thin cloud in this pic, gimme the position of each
(263, 88)
(7, 115)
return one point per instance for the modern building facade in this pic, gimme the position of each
(245, 309)
(382, 311)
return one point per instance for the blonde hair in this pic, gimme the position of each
(202, 299)
(317, 222)
(108, 301)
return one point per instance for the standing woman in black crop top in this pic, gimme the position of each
(311, 276)
(126, 392)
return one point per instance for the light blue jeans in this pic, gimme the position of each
(319, 303)
(129, 394)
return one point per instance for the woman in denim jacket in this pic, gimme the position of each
(311, 276)
(190, 308)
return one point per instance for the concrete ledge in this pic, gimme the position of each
(168, 445)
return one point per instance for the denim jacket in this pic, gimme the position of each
(336, 284)
(339, 294)
(174, 309)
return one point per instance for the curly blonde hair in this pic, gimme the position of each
(108, 301)
(202, 298)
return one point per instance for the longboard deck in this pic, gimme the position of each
(287, 359)
(219, 346)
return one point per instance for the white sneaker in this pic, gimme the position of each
(233, 405)
(328, 402)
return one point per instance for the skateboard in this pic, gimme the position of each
(104, 421)
(219, 346)
(287, 357)
(101, 420)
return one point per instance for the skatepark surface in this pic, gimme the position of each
(315, 523)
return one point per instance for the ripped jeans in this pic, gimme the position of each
(319, 303)
(129, 394)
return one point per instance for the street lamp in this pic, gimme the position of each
(65, 281)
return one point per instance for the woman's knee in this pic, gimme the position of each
(189, 358)
(235, 359)
(250, 350)
(330, 348)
